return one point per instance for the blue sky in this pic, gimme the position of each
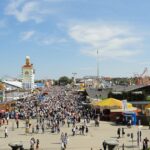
(62, 37)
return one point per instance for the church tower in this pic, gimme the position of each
(28, 75)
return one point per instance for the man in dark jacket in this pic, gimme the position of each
(118, 132)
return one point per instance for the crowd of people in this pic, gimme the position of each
(53, 109)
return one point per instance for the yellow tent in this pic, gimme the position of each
(95, 102)
(147, 106)
(111, 103)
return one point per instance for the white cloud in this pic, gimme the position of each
(113, 41)
(25, 10)
(51, 40)
(40, 38)
(93, 34)
(27, 35)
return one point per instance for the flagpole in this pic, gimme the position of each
(97, 65)
(97, 68)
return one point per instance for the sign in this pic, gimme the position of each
(124, 105)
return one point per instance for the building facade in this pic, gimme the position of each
(28, 75)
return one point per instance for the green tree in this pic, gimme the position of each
(55, 82)
(64, 80)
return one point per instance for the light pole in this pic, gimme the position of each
(74, 80)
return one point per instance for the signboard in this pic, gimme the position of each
(124, 105)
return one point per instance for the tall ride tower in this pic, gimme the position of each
(98, 80)
(28, 75)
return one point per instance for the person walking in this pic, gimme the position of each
(43, 129)
(68, 122)
(140, 135)
(6, 132)
(123, 132)
(73, 131)
(86, 130)
(62, 146)
(62, 141)
(65, 140)
(138, 138)
(83, 129)
(118, 132)
(32, 142)
(146, 143)
(32, 129)
(17, 123)
(7, 119)
(104, 145)
(37, 128)
(37, 144)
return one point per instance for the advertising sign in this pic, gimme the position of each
(124, 105)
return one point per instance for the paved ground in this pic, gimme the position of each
(94, 139)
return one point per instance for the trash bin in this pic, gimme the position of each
(112, 144)
(16, 146)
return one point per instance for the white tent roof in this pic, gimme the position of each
(13, 83)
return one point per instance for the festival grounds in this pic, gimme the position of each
(51, 141)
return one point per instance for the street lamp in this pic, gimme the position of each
(74, 80)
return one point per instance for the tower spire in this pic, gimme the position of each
(27, 60)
